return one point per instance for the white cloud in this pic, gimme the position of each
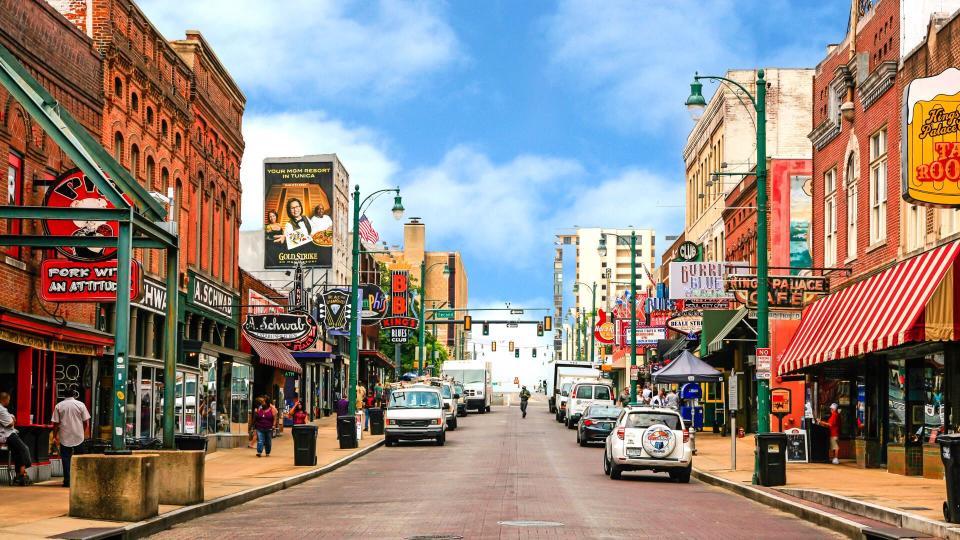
(361, 150)
(298, 50)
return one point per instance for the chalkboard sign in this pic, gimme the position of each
(796, 445)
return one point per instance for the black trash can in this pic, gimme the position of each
(950, 454)
(304, 445)
(190, 442)
(772, 451)
(376, 420)
(347, 431)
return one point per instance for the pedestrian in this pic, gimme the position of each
(70, 428)
(251, 430)
(343, 406)
(263, 421)
(524, 397)
(368, 403)
(657, 400)
(9, 435)
(298, 415)
(672, 400)
(647, 394)
(624, 397)
(834, 424)
(361, 399)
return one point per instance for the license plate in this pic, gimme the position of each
(605, 425)
(634, 452)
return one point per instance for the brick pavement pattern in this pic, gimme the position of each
(496, 467)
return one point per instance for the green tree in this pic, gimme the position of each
(408, 350)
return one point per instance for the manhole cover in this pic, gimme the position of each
(435, 537)
(530, 523)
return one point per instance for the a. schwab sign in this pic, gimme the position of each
(210, 297)
(278, 327)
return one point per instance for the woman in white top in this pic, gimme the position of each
(299, 229)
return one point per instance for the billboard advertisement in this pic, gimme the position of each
(931, 151)
(298, 213)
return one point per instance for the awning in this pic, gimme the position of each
(377, 356)
(275, 355)
(717, 342)
(912, 301)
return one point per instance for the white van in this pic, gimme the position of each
(584, 394)
(415, 412)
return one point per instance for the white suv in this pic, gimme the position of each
(583, 395)
(416, 412)
(649, 438)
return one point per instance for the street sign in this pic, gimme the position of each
(763, 362)
(512, 325)
(516, 312)
(634, 373)
(443, 314)
(732, 386)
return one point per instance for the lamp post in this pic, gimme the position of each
(588, 333)
(423, 301)
(696, 103)
(602, 251)
(355, 286)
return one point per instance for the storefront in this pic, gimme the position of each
(885, 350)
(317, 387)
(375, 368)
(277, 373)
(729, 343)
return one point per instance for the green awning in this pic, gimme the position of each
(716, 343)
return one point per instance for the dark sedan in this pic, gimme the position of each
(596, 423)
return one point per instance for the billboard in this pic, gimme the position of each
(297, 213)
(931, 151)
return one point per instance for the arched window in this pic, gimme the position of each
(118, 147)
(117, 87)
(150, 117)
(164, 179)
(134, 160)
(852, 203)
(134, 102)
(163, 130)
(150, 170)
(177, 141)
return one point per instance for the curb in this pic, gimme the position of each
(836, 523)
(165, 521)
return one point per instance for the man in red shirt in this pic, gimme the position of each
(834, 424)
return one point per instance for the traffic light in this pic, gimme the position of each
(539, 329)
(548, 323)
(467, 323)
(516, 353)
(493, 346)
(511, 346)
(534, 352)
(486, 329)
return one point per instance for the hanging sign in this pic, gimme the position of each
(206, 295)
(74, 281)
(154, 296)
(687, 251)
(73, 189)
(307, 341)
(647, 335)
(335, 308)
(399, 324)
(374, 304)
(931, 154)
(603, 330)
(698, 280)
(780, 401)
(687, 322)
(783, 292)
(278, 327)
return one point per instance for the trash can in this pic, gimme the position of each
(305, 445)
(190, 442)
(376, 420)
(950, 454)
(772, 452)
(347, 431)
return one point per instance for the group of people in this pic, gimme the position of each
(71, 426)
(370, 397)
(652, 397)
(266, 422)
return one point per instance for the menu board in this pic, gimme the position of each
(796, 445)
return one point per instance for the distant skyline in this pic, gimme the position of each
(502, 122)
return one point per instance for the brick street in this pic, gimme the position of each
(496, 467)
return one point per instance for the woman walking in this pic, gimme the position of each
(263, 422)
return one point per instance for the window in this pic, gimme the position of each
(830, 218)
(118, 87)
(949, 222)
(150, 169)
(602, 392)
(163, 130)
(916, 226)
(149, 117)
(878, 187)
(584, 392)
(14, 197)
(134, 102)
(645, 420)
(134, 160)
(851, 180)
(118, 147)
(176, 142)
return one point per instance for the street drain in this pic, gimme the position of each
(530, 523)
(435, 537)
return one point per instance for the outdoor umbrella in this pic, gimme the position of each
(687, 368)
(409, 376)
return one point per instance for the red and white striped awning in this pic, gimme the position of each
(275, 355)
(884, 311)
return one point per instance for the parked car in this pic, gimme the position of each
(596, 423)
(450, 398)
(562, 401)
(585, 394)
(415, 412)
(462, 400)
(649, 438)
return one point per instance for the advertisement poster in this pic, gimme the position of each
(298, 221)
(931, 151)
(801, 206)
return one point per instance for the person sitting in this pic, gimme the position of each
(9, 435)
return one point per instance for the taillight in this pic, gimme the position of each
(686, 435)
(588, 422)
(620, 433)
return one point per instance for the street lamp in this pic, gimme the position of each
(602, 251)
(423, 298)
(696, 102)
(355, 285)
(593, 314)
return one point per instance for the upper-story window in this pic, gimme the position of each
(916, 226)
(852, 198)
(14, 197)
(117, 87)
(163, 130)
(830, 218)
(150, 117)
(134, 101)
(118, 147)
(878, 187)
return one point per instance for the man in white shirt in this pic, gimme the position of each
(70, 418)
(9, 435)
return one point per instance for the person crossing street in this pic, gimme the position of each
(524, 397)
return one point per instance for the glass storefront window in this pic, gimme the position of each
(190, 410)
(130, 416)
(933, 385)
(897, 395)
(240, 389)
(208, 394)
(179, 392)
(157, 402)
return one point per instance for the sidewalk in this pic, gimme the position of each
(907, 494)
(41, 510)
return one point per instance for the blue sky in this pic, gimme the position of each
(502, 121)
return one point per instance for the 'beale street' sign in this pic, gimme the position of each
(783, 292)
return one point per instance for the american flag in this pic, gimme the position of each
(367, 231)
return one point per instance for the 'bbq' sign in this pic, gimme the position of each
(72, 281)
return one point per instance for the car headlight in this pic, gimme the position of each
(391, 422)
(436, 421)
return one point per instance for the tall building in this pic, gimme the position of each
(724, 141)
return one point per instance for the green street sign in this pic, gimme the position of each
(443, 314)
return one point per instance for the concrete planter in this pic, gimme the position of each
(116, 488)
(179, 475)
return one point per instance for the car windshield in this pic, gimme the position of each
(445, 390)
(414, 399)
(647, 419)
(603, 412)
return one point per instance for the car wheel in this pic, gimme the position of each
(683, 476)
(615, 471)
(441, 439)
(570, 424)
(453, 423)
(580, 440)
(606, 463)
(387, 441)
(488, 408)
